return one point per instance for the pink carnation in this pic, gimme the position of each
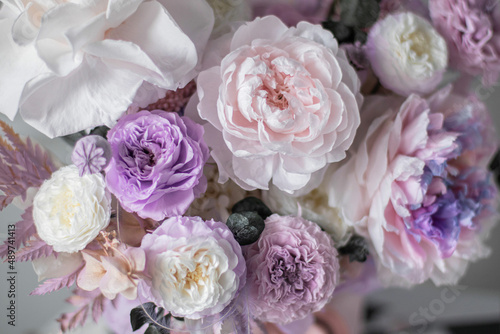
(292, 270)
(472, 31)
(280, 102)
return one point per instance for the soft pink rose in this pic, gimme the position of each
(281, 104)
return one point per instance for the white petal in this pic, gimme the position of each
(53, 45)
(94, 94)
(269, 27)
(62, 265)
(166, 44)
(19, 65)
(119, 10)
(196, 19)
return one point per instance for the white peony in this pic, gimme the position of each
(72, 65)
(69, 211)
(407, 54)
(194, 267)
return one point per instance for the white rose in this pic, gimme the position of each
(69, 211)
(407, 54)
(73, 65)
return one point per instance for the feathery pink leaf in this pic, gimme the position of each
(22, 165)
(58, 283)
(25, 229)
(35, 249)
(85, 301)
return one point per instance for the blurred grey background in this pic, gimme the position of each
(478, 300)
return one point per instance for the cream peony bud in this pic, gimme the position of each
(407, 54)
(69, 210)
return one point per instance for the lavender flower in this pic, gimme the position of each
(91, 154)
(292, 270)
(157, 165)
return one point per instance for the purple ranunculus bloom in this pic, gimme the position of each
(292, 270)
(471, 29)
(157, 165)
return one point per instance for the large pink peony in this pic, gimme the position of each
(409, 190)
(282, 103)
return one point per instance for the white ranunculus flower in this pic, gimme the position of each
(75, 64)
(69, 211)
(407, 54)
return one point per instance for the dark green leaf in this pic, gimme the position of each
(147, 313)
(341, 32)
(246, 226)
(252, 204)
(359, 13)
(356, 248)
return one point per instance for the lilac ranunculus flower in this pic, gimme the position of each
(195, 267)
(292, 270)
(157, 165)
(472, 30)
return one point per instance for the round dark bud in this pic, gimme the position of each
(341, 32)
(252, 204)
(356, 248)
(246, 226)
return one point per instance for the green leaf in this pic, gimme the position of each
(148, 314)
(359, 13)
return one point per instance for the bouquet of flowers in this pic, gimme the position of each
(238, 163)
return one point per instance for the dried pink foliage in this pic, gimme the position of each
(57, 283)
(23, 165)
(85, 302)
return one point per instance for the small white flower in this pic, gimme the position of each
(69, 211)
(407, 54)
(313, 206)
